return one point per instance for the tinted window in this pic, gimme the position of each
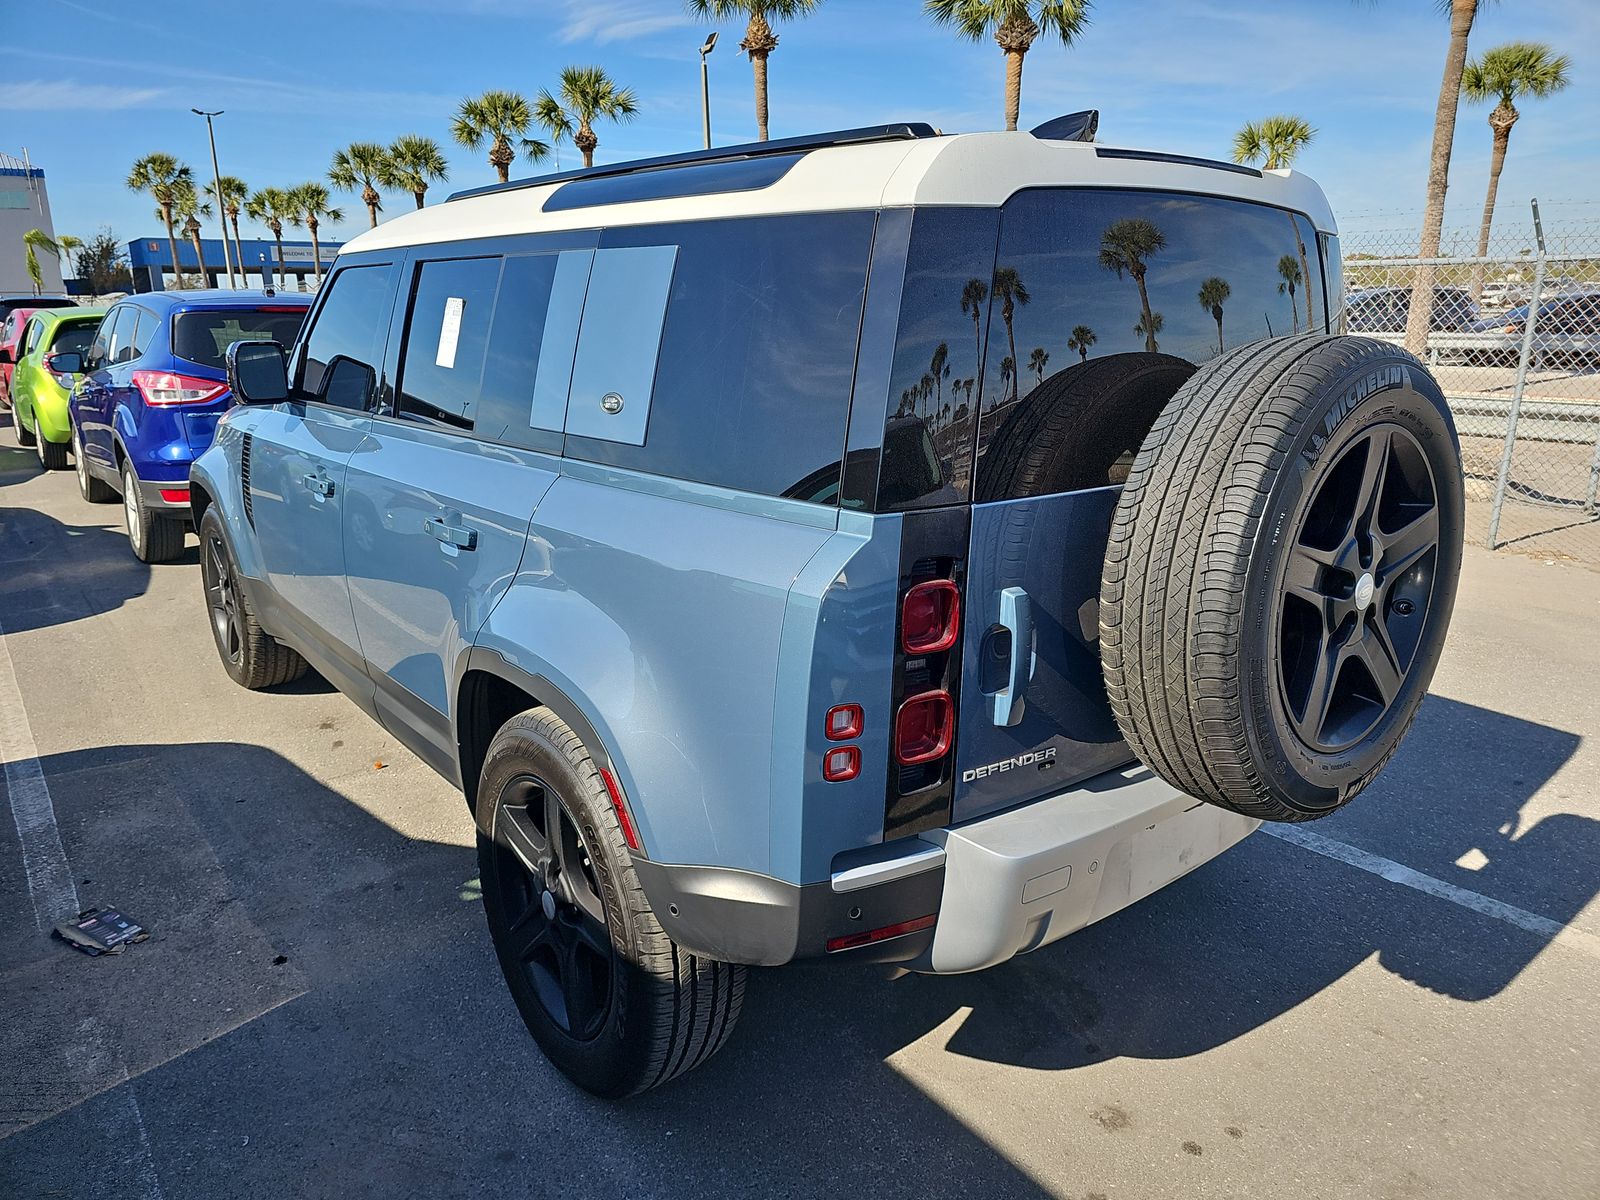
(73, 339)
(204, 337)
(447, 340)
(342, 352)
(757, 353)
(137, 330)
(102, 339)
(1158, 281)
(517, 337)
(118, 339)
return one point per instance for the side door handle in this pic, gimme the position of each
(318, 483)
(1016, 617)
(460, 536)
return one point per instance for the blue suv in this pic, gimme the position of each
(151, 389)
(880, 547)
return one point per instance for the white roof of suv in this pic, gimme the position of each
(972, 169)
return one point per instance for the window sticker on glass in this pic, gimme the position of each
(450, 331)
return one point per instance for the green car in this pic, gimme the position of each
(38, 394)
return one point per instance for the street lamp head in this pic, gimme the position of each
(200, 112)
(711, 43)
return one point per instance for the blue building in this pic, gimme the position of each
(151, 262)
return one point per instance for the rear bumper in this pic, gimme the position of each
(996, 887)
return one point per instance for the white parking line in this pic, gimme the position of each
(50, 886)
(1385, 868)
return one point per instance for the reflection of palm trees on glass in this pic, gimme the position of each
(1149, 325)
(1289, 269)
(1125, 246)
(1082, 338)
(1214, 293)
(1037, 361)
(1008, 369)
(973, 293)
(1011, 291)
(939, 368)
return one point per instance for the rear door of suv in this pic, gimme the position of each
(1100, 305)
(443, 484)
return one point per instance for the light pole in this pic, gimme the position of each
(216, 175)
(705, 86)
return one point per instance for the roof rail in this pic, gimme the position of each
(899, 131)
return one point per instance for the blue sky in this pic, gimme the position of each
(89, 85)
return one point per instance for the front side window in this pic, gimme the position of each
(756, 354)
(343, 352)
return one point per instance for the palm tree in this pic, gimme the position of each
(500, 119)
(1290, 279)
(360, 167)
(1037, 361)
(1148, 326)
(973, 293)
(69, 246)
(1016, 25)
(187, 204)
(160, 174)
(413, 162)
(1274, 142)
(1126, 245)
(272, 207)
(34, 240)
(1462, 15)
(1214, 293)
(759, 40)
(939, 366)
(312, 205)
(587, 94)
(230, 193)
(1081, 338)
(1011, 291)
(547, 112)
(1008, 371)
(1506, 72)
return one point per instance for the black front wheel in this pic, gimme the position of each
(252, 657)
(614, 1003)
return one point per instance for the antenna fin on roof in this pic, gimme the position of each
(1073, 127)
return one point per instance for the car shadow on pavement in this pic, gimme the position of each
(53, 573)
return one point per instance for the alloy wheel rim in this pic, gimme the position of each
(548, 892)
(223, 599)
(1355, 600)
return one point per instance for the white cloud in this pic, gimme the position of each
(24, 94)
(603, 21)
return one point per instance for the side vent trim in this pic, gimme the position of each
(244, 481)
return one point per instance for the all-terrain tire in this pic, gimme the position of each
(1233, 503)
(669, 1010)
(155, 538)
(252, 657)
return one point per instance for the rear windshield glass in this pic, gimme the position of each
(204, 337)
(74, 339)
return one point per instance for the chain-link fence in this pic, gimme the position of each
(1514, 341)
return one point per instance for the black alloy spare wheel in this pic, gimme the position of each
(1281, 571)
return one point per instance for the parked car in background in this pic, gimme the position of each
(39, 394)
(1383, 310)
(1566, 333)
(148, 398)
(14, 312)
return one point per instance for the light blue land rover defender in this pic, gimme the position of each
(878, 547)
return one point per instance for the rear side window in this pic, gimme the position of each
(204, 337)
(340, 359)
(1159, 281)
(756, 355)
(447, 340)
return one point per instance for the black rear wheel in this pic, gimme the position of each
(614, 1003)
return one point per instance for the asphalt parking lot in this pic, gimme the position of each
(1402, 1000)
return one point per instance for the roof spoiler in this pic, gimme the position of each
(1073, 127)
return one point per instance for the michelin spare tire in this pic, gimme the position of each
(1281, 571)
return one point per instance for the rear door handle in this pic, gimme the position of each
(1016, 617)
(318, 483)
(451, 535)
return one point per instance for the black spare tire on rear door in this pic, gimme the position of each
(1280, 573)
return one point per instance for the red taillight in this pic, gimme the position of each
(841, 763)
(850, 940)
(930, 617)
(629, 834)
(923, 728)
(166, 388)
(843, 722)
(175, 495)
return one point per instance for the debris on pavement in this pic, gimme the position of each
(98, 931)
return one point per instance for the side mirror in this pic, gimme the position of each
(258, 373)
(66, 362)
